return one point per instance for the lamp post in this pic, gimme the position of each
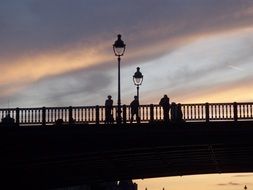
(119, 48)
(138, 78)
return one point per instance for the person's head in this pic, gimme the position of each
(109, 97)
(166, 97)
(135, 97)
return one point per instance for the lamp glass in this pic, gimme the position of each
(119, 51)
(137, 81)
(119, 46)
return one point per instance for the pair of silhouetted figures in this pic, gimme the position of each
(176, 112)
(134, 105)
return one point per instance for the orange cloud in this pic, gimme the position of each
(238, 92)
(29, 68)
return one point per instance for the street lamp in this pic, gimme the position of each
(138, 78)
(119, 48)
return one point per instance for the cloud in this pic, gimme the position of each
(35, 27)
(42, 26)
(192, 73)
(32, 68)
(72, 88)
(203, 68)
(43, 39)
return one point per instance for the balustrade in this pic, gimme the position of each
(96, 114)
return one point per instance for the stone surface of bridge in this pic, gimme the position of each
(70, 155)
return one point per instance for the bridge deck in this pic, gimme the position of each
(56, 156)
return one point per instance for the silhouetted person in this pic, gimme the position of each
(173, 112)
(8, 121)
(165, 103)
(176, 112)
(179, 113)
(108, 110)
(134, 109)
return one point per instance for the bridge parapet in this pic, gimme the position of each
(203, 112)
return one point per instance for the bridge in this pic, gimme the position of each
(35, 152)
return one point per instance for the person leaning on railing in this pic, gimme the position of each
(165, 103)
(179, 113)
(176, 112)
(8, 121)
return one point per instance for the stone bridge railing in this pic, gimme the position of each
(96, 114)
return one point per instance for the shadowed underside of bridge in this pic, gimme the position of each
(62, 156)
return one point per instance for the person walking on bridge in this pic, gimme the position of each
(108, 110)
(165, 103)
(135, 109)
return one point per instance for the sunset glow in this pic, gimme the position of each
(59, 53)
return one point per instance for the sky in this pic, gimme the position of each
(59, 53)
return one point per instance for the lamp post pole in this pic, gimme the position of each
(119, 48)
(119, 95)
(138, 92)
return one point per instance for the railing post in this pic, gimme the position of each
(207, 112)
(17, 117)
(124, 114)
(43, 116)
(151, 113)
(235, 111)
(70, 115)
(97, 114)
